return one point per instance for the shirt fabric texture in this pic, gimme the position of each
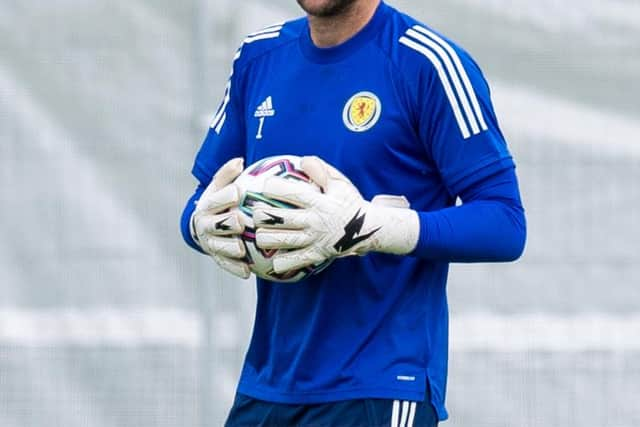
(374, 326)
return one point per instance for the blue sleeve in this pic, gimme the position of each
(185, 219)
(225, 140)
(226, 136)
(489, 226)
(461, 134)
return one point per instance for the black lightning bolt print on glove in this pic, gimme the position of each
(333, 223)
(216, 227)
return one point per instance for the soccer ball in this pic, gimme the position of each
(251, 184)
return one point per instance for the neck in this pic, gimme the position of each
(333, 30)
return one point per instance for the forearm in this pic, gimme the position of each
(481, 231)
(186, 218)
(489, 227)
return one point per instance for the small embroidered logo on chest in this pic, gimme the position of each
(264, 110)
(361, 112)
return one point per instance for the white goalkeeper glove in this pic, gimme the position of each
(215, 226)
(333, 223)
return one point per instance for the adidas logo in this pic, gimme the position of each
(265, 109)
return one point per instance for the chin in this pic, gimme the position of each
(325, 8)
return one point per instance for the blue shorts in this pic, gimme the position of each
(249, 412)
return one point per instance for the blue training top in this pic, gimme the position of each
(399, 109)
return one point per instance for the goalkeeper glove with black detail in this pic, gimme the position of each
(335, 222)
(215, 226)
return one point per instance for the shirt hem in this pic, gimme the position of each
(315, 397)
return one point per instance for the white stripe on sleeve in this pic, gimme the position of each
(271, 29)
(267, 33)
(445, 82)
(221, 111)
(270, 35)
(453, 74)
(219, 127)
(461, 70)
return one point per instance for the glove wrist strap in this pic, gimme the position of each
(398, 229)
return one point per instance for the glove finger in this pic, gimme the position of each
(298, 193)
(330, 179)
(283, 239)
(290, 219)
(231, 247)
(316, 169)
(296, 259)
(227, 173)
(218, 225)
(233, 266)
(218, 200)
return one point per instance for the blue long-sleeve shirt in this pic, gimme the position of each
(401, 110)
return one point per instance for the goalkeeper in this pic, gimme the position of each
(395, 123)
